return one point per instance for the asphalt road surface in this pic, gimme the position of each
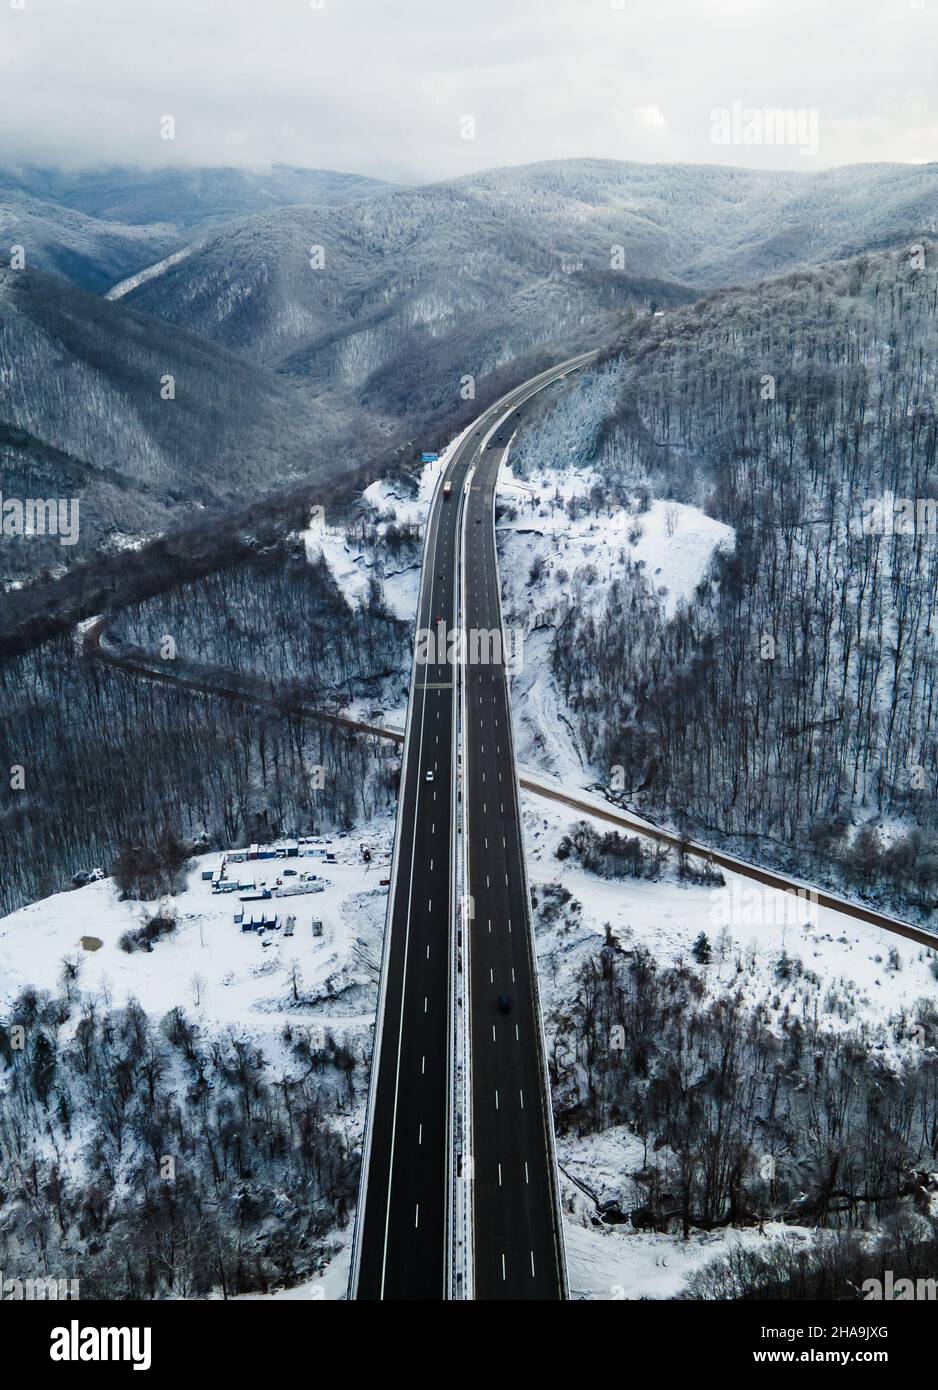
(402, 1243)
(518, 1247)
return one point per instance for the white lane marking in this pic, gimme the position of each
(526, 1177)
(517, 1036)
(425, 1003)
(423, 1066)
(496, 1100)
(521, 1094)
(417, 1216)
(499, 1175)
(504, 1276)
(532, 1264)
(493, 1032)
(420, 1134)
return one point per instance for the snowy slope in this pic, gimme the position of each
(354, 565)
(248, 988)
(857, 982)
(577, 558)
(243, 982)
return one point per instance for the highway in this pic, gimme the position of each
(518, 1246)
(402, 1243)
(403, 1237)
(402, 1247)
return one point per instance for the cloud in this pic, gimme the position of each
(651, 116)
(382, 88)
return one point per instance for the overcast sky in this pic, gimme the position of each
(382, 87)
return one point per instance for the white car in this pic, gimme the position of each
(429, 774)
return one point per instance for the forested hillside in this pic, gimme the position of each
(140, 420)
(382, 314)
(93, 227)
(794, 700)
(111, 759)
(176, 1161)
(744, 1115)
(534, 249)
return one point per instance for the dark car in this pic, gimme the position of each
(504, 1003)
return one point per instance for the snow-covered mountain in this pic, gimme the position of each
(394, 300)
(141, 420)
(86, 250)
(94, 227)
(185, 198)
(535, 242)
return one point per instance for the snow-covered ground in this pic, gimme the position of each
(671, 542)
(849, 973)
(853, 973)
(331, 1284)
(578, 558)
(230, 980)
(353, 566)
(133, 282)
(617, 1264)
(221, 976)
